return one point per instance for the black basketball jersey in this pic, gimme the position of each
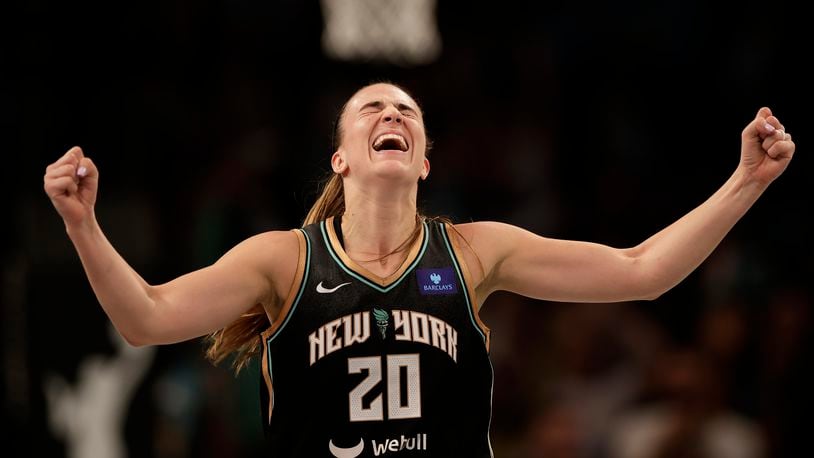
(362, 366)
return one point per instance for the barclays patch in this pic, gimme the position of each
(437, 281)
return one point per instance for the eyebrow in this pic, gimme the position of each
(378, 104)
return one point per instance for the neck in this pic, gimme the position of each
(376, 224)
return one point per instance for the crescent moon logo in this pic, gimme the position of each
(352, 452)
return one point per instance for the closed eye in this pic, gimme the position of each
(372, 107)
(377, 106)
(406, 110)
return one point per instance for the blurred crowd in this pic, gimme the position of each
(609, 381)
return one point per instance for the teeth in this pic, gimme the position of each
(377, 145)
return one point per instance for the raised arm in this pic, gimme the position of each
(509, 258)
(254, 272)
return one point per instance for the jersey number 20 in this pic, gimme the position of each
(401, 369)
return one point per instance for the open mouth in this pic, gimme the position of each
(390, 142)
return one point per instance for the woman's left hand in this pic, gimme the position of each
(766, 148)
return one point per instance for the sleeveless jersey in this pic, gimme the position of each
(362, 366)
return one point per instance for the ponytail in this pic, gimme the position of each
(241, 337)
(331, 201)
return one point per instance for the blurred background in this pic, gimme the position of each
(210, 122)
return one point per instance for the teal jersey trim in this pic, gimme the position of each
(299, 293)
(293, 308)
(463, 283)
(364, 280)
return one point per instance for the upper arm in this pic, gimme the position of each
(519, 261)
(258, 271)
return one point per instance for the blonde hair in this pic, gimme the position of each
(242, 336)
(331, 201)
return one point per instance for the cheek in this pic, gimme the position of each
(419, 135)
(358, 153)
(360, 135)
(421, 145)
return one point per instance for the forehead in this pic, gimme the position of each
(383, 93)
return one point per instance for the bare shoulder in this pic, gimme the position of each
(485, 244)
(493, 234)
(487, 237)
(480, 245)
(273, 240)
(483, 230)
(273, 254)
(267, 246)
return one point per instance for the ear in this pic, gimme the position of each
(338, 163)
(425, 170)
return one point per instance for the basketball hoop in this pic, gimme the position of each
(393, 31)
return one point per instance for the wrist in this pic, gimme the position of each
(747, 184)
(83, 228)
(746, 188)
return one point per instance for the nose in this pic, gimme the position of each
(391, 114)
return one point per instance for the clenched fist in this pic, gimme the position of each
(71, 183)
(766, 148)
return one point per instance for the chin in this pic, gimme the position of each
(393, 170)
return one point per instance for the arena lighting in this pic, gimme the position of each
(393, 31)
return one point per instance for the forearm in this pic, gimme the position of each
(122, 293)
(672, 254)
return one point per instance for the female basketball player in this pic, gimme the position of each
(371, 341)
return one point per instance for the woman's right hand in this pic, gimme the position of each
(71, 183)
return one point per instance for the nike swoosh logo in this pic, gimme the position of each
(352, 452)
(324, 290)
